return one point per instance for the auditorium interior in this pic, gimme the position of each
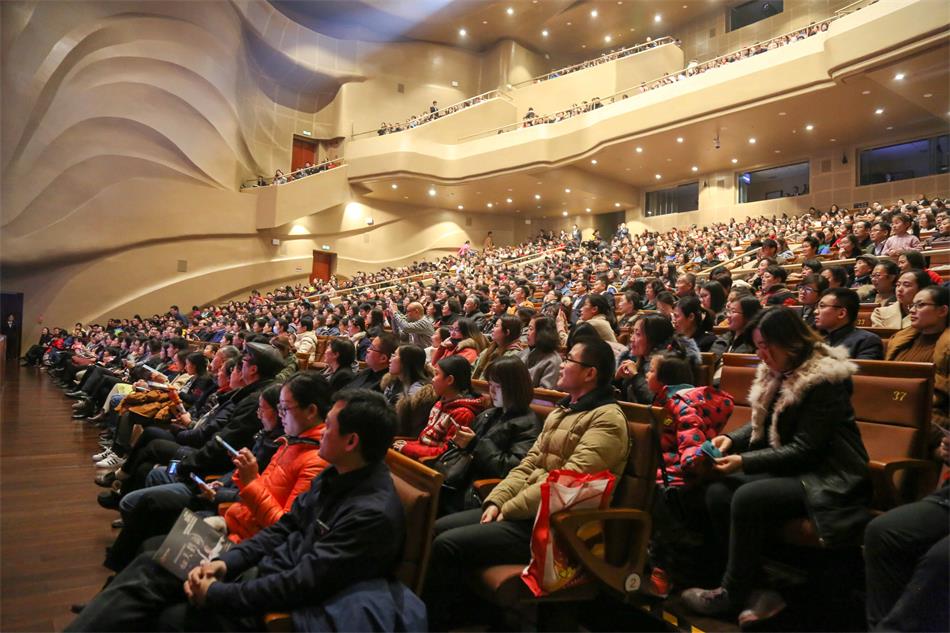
(209, 153)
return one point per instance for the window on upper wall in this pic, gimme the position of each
(674, 200)
(751, 12)
(914, 159)
(774, 182)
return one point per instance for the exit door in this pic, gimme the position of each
(323, 265)
(305, 151)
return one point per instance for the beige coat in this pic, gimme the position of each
(889, 316)
(600, 323)
(588, 440)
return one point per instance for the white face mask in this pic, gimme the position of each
(496, 396)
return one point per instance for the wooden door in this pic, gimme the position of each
(322, 265)
(305, 151)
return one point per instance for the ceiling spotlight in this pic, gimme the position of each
(639, 150)
(832, 140)
(658, 176)
(695, 168)
(657, 18)
(587, 209)
(564, 213)
(927, 95)
(617, 204)
(782, 113)
(394, 186)
(544, 33)
(593, 13)
(608, 39)
(432, 191)
(679, 139)
(508, 200)
(567, 190)
(809, 127)
(899, 77)
(879, 111)
(593, 161)
(537, 196)
(462, 32)
(490, 205)
(510, 11)
(460, 207)
(890, 127)
(751, 140)
(735, 160)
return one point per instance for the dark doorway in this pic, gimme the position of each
(305, 151)
(12, 303)
(323, 265)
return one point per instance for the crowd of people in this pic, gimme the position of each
(431, 114)
(280, 178)
(609, 56)
(216, 392)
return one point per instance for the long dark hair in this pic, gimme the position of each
(412, 361)
(783, 327)
(603, 307)
(516, 387)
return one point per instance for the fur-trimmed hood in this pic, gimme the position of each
(827, 364)
(466, 343)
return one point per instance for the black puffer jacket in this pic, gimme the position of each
(803, 426)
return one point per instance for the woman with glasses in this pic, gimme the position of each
(464, 340)
(500, 436)
(897, 315)
(927, 340)
(801, 456)
(809, 290)
(738, 340)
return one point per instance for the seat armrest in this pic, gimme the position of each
(483, 487)
(922, 480)
(278, 622)
(625, 578)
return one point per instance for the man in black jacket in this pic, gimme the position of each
(835, 316)
(377, 363)
(349, 527)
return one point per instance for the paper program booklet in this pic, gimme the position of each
(190, 543)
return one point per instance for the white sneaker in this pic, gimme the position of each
(98, 457)
(111, 461)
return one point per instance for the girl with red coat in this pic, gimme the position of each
(456, 407)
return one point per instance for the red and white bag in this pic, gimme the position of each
(551, 568)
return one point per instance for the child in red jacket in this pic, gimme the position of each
(456, 407)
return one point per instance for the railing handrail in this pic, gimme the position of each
(339, 163)
(613, 98)
(428, 117)
(338, 291)
(840, 262)
(851, 8)
(606, 57)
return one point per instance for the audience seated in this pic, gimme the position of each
(408, 387)
(896, 315)
(541, 355)
(691, 320)
(505, 340)
(801, 455)
(836, 313)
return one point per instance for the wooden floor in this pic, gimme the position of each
(52, 531)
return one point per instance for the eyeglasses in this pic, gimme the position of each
(806, 290)
(374, 349)
(576, 362)
(917, 305)
(829, 305)
(282, 408)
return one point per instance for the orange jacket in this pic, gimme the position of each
(270, 496)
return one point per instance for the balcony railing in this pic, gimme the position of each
(302, 172)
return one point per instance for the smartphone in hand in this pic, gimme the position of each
(708, 448)
(230, 449)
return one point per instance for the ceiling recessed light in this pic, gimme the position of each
(544, 33)
(657, 18)
(751, 140)
(735, 160)
(567, 190)
(778, 151)
(460, 207)
(809, 127)
(510, 11)
(694, 168)
(394, 186)
(617, 204)
(508, 200)
(593, 13)
(890, 127)
(865, 92)
(537, 196)
(570, 23)
(679, 139)
(463, 32)
(927, 95)
(583, 45)
(899, 77)
(593, 161)
(484, 21)
(782, 113)
(608, 39)
(587, 209)
(431, 191)
(490, 205)
(564, 213)
(833, 140)
(658, 176)
(879, 111)
(639, 150)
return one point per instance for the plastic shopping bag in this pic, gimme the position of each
(550, 568)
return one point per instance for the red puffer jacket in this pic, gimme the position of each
(696, 414)
(444, 420)
(270, 496)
